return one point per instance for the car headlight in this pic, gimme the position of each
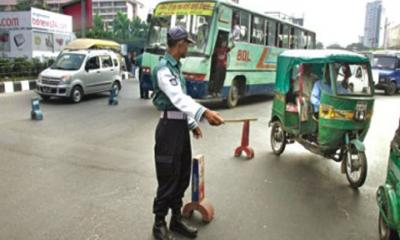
(65, 79)
(39, 78)
(382, 79)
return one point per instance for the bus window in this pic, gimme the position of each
(283, 41)
(311, 43)
(297, 38)
(301, 40)
(244, 22)
(158, 31)
(257, 30)
(200, 31)
(279, 29)
(271, 33)
(310, 40)
(292, 38)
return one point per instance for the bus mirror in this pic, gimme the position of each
(149, 16)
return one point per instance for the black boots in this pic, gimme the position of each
(179, 226)
(160, 230)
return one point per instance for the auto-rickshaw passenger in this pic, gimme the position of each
(319, 86)
(308, 81)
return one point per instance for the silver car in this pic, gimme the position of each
(78, 73)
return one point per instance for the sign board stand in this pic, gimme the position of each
(199, 202)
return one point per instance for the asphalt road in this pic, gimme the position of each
(87, 172)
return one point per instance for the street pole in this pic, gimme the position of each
(83, 18)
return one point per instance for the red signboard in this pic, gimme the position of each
(74, 9)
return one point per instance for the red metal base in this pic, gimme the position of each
(244, 146)
(248, 150)
(204, 207)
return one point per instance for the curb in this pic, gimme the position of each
(17, 86)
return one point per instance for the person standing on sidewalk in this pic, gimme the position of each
(180, 114)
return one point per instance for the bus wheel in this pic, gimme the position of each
(233, 96)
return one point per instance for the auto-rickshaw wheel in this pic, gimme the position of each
(386, 233)
(356, 167)
(278, 138)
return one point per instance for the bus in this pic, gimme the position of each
(252, 62)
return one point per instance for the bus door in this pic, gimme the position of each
(219, 64)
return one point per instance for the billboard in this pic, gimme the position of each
(36, 18)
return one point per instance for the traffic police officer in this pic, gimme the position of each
(179, 115)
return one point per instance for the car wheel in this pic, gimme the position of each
(391, 89)
(76, 94)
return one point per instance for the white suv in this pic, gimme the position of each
(78, 73)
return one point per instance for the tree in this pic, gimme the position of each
(356, 47)
(335, 46)
(121, 25)
(98, 31)
(25, 5)
(319, 45)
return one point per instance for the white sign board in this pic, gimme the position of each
(51, 21)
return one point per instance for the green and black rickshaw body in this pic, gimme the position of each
(343, 119)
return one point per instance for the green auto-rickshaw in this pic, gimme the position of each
(324, 101)
(388, 195)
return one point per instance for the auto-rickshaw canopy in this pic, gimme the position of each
(290, 58)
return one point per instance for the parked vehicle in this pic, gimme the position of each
(386, 71)
(78, 72)
(388, 195)
(336, 128)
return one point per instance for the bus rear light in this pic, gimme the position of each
(194, 76)
(146, 70)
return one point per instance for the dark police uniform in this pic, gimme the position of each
(179, 114)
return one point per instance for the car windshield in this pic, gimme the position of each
(352, 79)
(196, 19)
(68, 61)
(383, 62)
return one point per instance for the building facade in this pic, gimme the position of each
(107, 9)
(372, 24)
(393, 37)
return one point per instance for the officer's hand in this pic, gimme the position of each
(197, 133)
(213, 118)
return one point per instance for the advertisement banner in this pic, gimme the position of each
(43, 41)
(60, 41)
(5, 44)
(21, 45)
(51, 21)
(15, 20)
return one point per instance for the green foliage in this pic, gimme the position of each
(122, 29)
(335, 46)
(319, 45)
(21, 68)
(25, 5)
